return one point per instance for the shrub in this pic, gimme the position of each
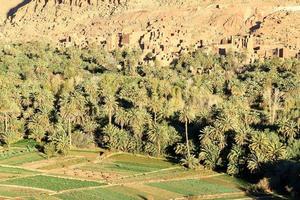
(50, 150)
(82, 140)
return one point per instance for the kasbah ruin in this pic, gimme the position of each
(163, 29)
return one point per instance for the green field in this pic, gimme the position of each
(17, 192)
(84, 175)
(13, 170)
(193, 187)
(126, 164)
(111, 193)
(22, 159)
(51, 183)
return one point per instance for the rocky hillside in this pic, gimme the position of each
(164, 28)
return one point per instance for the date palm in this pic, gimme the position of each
(38, 126)
(60, 138)
(187, 114)
(72, 109)
(122, 117)
(160, 135)
(9, 108)
(288, 128)
(110, 107)
(210, 155)
(138, 120)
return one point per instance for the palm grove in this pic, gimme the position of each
(201, 109)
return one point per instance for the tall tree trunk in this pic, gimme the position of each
(158, 148)
(109, 117)
(187, 137)
(69, 132)
(275, 106)
(5, 123)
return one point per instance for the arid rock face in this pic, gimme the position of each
(164, 28)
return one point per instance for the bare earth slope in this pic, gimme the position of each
(165, 28)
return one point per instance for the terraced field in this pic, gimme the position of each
(84, 174)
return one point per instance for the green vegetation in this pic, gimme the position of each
(25, 143)
(128, 164)
(111, 193)
(51, 183)
(64, 163)
(18, 192)
(193, 187)
(202, 109)
(166, 174)
(22, 159)
(12, 170)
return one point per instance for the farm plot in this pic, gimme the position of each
(125, 164)
(22, 159)
(50, 183)
(166, 174)
(228, 181)
(194, 187)
(109, 193)
(89, 154)
(19, 192)
(11, 172)
(63, 163)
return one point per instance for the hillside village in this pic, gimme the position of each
(259, 30)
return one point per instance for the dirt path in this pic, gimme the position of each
(27, 187)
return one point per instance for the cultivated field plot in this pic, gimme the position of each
(109, 193)
(166, 174)
(11, 172)
(63, 163)
(22, 158)
(84, 174)
(193, 187)
(12, 191)
(126, 164)
(51, 183)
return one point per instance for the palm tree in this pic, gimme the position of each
(190, 162)
(235, 158)
(210, 155)
(213, 135)
(38, 126)
(44, 101)
(288, 128)
(272, 101)
(61, 140)
(115, 138)
(110, 107)
(161, 135)
(138, 120)
(122, 117)
(72, 109)
(265, 147)
(242, 135)
(187, 114)
(8, 109)
(189, 109)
